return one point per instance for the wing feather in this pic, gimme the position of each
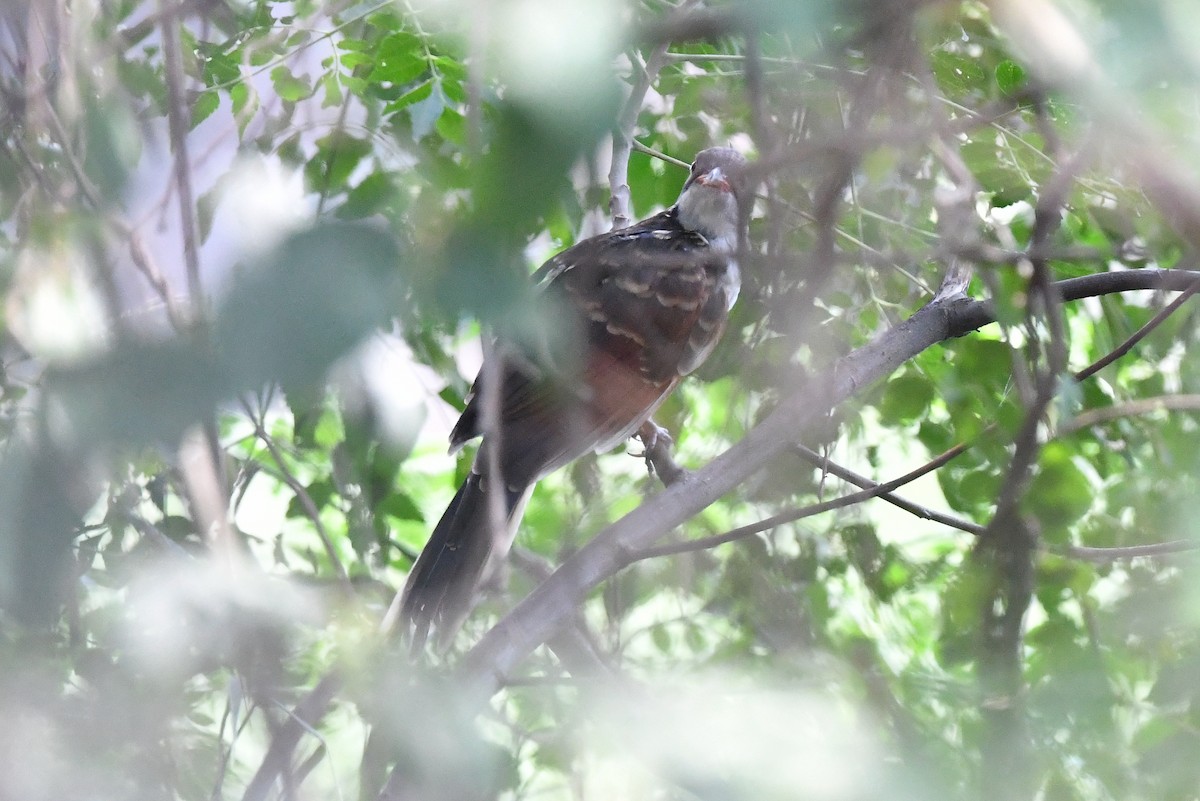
(648, 303)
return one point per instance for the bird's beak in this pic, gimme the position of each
(715, 179)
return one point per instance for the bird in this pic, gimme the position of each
(640, 307)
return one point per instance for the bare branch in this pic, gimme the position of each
(1134, 408)
(1118, 553)
(922, 512)
(177, 123)
(622, 144)
(210, 507)
(538, 616)
(301, 719)
(1138, 335)
(792, 515)
(301, 493)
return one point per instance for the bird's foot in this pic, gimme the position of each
(657, 444)
(653, 436)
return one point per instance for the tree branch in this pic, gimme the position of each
(306, 715)
(177, 125)
(1135, 408)
(538, 616)
(1138, 335)
(922, 512)
(792, 515)
(310, 506)
(1116, 553)
(622, 144)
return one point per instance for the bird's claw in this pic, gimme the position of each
(651, 434)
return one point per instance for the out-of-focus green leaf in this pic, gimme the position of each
(317, 296)
(336, 157)
(401, 506)
(426, 111)
(112, 149)
(288, 86)
(42, 499)
(399, 59)
(1010, 77)
(906, 399)
(204, 106)
(284, 321)
(1060, 493)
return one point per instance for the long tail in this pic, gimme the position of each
(442, 583)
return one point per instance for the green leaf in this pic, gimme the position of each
(1010, 77)
(400, 59)
(452, 127)
(206, 103)
(401, 506)
(338, 154)
(245, 102)
(425, 113)
(288, 86)
(320, 492)
(905, 399)
(373, 193)
(333, 91)
(1060, 493)
(417, 93)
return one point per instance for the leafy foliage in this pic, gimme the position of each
(224, 399)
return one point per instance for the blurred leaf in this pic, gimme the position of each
(1010, 77)
(400, 506)
(41, 504)
(1060, 493)
(288, 86)
(336, 157)
(286, 321)
(905, 399)
(112, 149)
(203, 107)
(318, 295)
(373, 194)
(399, 59)
(426, 111)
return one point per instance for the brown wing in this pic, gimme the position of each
(646, 305)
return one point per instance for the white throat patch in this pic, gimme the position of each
(711, 213)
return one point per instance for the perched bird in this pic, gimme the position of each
(643, 307)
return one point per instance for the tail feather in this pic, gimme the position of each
(443, 581)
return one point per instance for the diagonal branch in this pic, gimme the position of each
(865, 483)
(548, 607)
(792, 515)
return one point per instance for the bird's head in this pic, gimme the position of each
(709, 201)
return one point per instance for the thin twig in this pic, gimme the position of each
(792, 515)
(310, 506)
(1138, 335)
(177, 126)
(1134, 408)
(822, 462)
(658, 154)
(1116, 553)
(306, 714)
